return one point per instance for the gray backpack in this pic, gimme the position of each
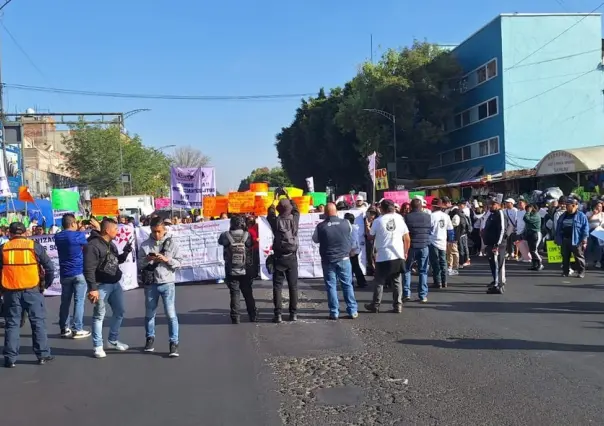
(237, 256)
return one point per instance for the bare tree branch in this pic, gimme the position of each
(187, 156)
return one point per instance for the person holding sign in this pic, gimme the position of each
(571, 235)
(285, 249)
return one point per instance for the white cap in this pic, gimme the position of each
(360, 198)
(510, 200)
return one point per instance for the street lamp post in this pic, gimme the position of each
(392, 118)
(121, 119)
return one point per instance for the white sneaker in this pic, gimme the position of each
(81, 334)
(219, 281)
(118, 346)
(66, 333)
(99, 352)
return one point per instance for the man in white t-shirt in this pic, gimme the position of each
(392, 242)
(442, 233)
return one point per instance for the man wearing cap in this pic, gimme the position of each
(20, 261)
(494, 237)
(572, 232)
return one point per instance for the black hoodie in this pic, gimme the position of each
(94, 254)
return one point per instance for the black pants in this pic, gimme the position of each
(369, 244)
(286, 268)
(238, 285)
(577, 251)
(533, 239)
(464, 251)
(475, 236)
(357, 271)
(497, 263)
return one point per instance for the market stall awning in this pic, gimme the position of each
(571, 161)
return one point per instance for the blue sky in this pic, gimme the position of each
(226, 47)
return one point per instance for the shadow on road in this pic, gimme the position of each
(503, 344)
(520, 308)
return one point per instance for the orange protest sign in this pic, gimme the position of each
(215, 206)
(25, 195)
(261, 205)
(303, 203)
(293, 192)
(104, 207)
(259, 187)
(241, 202)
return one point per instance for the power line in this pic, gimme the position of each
(22, 50)
(155, 96)
(557, 37)
(5, 4)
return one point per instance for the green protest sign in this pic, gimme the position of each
(63, 199)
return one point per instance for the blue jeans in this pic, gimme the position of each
(168, 297)
(112, 295)
(72, 287)
(332, 273)
(438, 261)
(421, 257)
(32, 301)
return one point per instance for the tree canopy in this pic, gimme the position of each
(187, 156)
(93, 157)
(275, 177)
(332, 134)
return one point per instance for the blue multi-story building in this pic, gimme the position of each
(533, 84)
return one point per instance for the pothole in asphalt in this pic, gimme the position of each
(347, 395)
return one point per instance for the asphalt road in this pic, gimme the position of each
(532, 356)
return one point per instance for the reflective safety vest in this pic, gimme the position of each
(20, 268)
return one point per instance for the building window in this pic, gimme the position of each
(475, 114)
(472, 151)
(492, 107)
(482, 111)
(483, 149)
(480, 75)
(493, 146)
(467, 152)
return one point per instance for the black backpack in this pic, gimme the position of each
(237, 254)
(286, 236)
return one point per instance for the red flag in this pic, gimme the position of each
(25, 195)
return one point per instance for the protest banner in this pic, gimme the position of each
(318, 198)
(129, 278)
(399, 197)
(554, 252)
(303, 203)
(63, 199)
(309, 259)
(162, 203)
(414, 194)
(208, 181)
(381, 179)
(215, 206)
(104, 207)
(261, 205)
(293, 192)
(202, 256)
(259, 187)
(186, 187)
(241, 202)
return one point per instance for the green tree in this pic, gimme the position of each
(314, 145)
(416, 85)
(93, 157)
(274, 177)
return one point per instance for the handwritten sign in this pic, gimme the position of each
(259, 187)
(381, 179)
(261, 205)
(399, 197)
(241, 202)
(554, 252)
(215, 206)
(104, 206)
(294, 192)
(303, 203)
